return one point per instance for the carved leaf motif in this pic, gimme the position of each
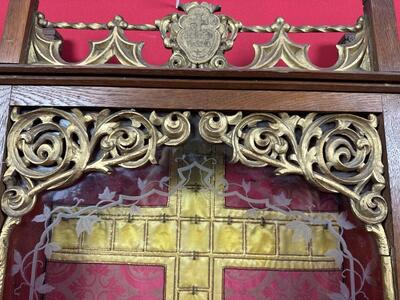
(338, 153)
(281, 48)
(68, 144)
(128, 53)
(352, 56)
(43, 50)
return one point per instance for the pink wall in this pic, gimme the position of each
(316, 12)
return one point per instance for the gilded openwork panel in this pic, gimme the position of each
(198, 38)
(194, 206)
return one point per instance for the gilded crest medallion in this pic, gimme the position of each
(198, 34)
(198, 38)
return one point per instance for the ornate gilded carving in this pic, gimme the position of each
(351, 56)
(6, 229)
(337, 153)
(342, 153)
(50, 148)
(386, 260)
(47, 51)
(198, 39)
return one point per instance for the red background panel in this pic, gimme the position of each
(312, 12)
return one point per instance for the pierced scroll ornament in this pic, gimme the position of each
(339, 153)
(49, 148)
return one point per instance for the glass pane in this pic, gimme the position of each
(192, 227)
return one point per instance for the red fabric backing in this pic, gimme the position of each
(296, 12)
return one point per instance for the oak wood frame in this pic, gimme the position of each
(246, 90)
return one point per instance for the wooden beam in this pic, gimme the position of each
(194, 99)
(15, 42)
(382, 30)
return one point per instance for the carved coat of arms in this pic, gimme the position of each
(200, 37)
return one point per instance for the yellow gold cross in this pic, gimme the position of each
(196, 237)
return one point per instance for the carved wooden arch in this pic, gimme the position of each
(50, 148)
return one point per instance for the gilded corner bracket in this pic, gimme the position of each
(50, 148)
(339, 153)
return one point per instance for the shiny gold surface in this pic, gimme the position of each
(6, 229)
(198, 39)
(50, 148)
(337, 153)
(386, 260)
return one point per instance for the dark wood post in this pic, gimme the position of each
(14, 44)
(385, 54)
(382, 29)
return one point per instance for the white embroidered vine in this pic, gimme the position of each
(88, 216)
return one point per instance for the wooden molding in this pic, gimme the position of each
(15, 42)
(382, 29)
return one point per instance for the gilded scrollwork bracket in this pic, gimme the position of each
(50, 148)
(339, 153)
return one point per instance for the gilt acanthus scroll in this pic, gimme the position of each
(338, 153)
(198, 39)
(49, 148)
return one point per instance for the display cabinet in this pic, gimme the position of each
(199, 179)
